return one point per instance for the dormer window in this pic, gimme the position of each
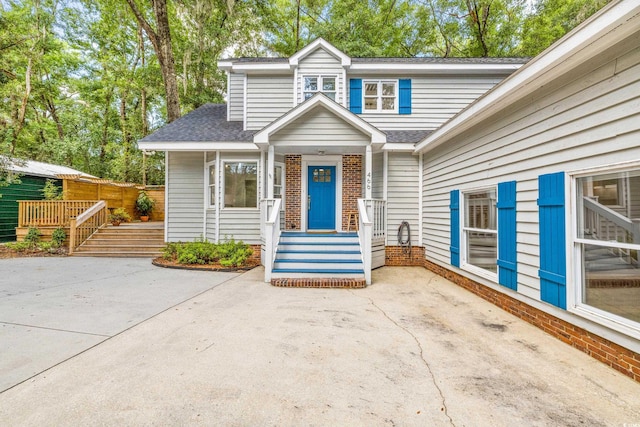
(380, 95)
(314, 84)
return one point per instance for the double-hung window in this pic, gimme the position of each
(240, 184)
(479, 230)
(607, 244)
(278, 182)
(380, 95)
(315, 84)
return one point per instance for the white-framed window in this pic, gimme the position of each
(240, 184)
(211, 178)
(313, 84)
(607, 245)
(480, 232)
(278, 181)
(380, 95)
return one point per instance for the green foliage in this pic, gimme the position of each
(18, 246)
(33, 236)
(58, 237)
(144, 204)
(119, 215)
(201, 251)
(51, 191)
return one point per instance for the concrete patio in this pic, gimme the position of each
(412, 349)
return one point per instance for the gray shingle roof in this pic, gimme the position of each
(207, 123)
(409, 136)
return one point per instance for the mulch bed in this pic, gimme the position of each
(161, 262)
(5, 253)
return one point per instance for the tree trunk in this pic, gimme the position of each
(143, 91)
(161, 41)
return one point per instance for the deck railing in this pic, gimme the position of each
(50, 213)
(85, 224)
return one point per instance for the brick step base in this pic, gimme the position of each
(319, 282)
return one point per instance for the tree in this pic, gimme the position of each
(161, 39)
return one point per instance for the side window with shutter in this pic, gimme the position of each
(404, 103)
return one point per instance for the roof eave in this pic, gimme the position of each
(436, 69)
(196, 145)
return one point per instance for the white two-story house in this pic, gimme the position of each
(519, 182)
(316, 149)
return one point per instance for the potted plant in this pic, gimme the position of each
(118, 216)
(144, 205)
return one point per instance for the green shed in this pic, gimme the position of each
(33, 176)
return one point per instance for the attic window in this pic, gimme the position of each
(314, 84)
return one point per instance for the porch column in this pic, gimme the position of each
(270, 171)
(367, 167)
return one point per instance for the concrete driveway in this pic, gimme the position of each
(411, 350)
(54, 308)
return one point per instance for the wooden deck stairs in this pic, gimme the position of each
(140, 240)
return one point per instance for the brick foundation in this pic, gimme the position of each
(396, 257)
(292, 214)
(255, 256)
(351, 185)
(319, 283)
(601, 349)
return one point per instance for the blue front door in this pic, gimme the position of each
(322, 198)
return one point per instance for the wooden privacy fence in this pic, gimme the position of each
(50, 213)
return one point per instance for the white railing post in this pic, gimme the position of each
(271, 235)
(365, 237)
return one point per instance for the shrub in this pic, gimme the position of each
(120, 215)
(33, 237)
(18, 246)
(144, 204)
(57, 237)
(51, 191)
(201, 251)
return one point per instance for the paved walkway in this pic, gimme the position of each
(413, 349)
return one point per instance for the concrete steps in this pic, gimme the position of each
(132, 240)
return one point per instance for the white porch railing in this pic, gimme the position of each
(371, 231)
(271, 233)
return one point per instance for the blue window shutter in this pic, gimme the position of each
(553, 266)
(405, 96)
(507, 253)
(355, 96)
(454, 208)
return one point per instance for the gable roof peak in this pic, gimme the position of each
(320, 43)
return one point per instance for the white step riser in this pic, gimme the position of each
(324, 248)
(318, 275)
(306, 239)
(325, 255)
(317, 266)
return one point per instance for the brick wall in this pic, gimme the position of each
(351, 185)
(395, 256)
(607, 352)
(292, 215)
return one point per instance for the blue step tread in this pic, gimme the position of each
(322, 261)
(319, 243)
(319, 252)
(311, 235)
(316, 270)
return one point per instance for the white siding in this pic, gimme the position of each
(402, 196)
(211, 225)
(236, 97)
(268, 97)
(588, 121)
(319, 128)
(320, 62)
(185, 188)
(377, 180)
(434, 100)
